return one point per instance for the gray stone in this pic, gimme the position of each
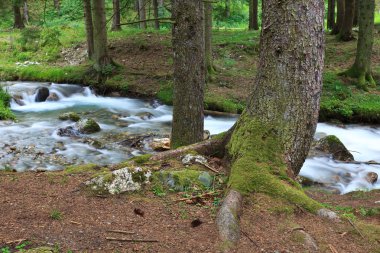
(206, 179)
(42, 94)
(371, 177)
(87, 126)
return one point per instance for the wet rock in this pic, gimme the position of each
(160, 144)
(190, 159)
(18, 100)
(68, 132)
(59, 146)
(69, 116)
(332, 145)
(304, 181)
(42, 94)
(119, 181)
(144, 115)
(206, 134)
(371, 177)
(114, 94)
(183, 179)
(52, 97)
(87, 126)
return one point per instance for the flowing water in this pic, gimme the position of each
(32, 142)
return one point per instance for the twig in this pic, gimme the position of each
(15, 241)
(249, 238)
(353, 225)
(333, 250)
(163, 20)
(76, 223)
(130, 240)
(209, 167)
(121, 232)
(198, 196)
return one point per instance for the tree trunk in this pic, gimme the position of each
(208, 38)
(142, 14)
(155, 14)
(362, 66)
(101, 56)
(18, 22)
(189, 72)
(253, 15)
(356, 13)
(89, 28)
(116, 16)
(273, 135)
(57, 6)
(339, 18)
(345, 33)
(227, 8)
(26, 12)
(331, 15)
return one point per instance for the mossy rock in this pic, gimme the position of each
(69, 116)
(87, 126)
(332, 145)
(185, 179)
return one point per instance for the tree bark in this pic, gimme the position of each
(340, 17)
(331, 14)
(18, 22)
(89, 28)
(253, 15)
(227, 8)
(208, 37)
(142, 14)
(189, 72)
(362, 66)
(345, 33)
(156, 15)
(57, 6)
(356, 13)
(116, 16)
(26, 12)
(101, 56)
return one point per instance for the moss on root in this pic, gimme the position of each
(259, 165)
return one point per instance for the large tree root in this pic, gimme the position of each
(228, 220)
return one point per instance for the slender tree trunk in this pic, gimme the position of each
(208, 38)
(253, 15)
(116, 16)
(156, 15)
(189, 72)
(101, 56)
(331, 15)
(142, 14)
(340, 17)
(272, 136)
(356, 13)
(345, 33)
(362, 66)
(18, 22)
(89, 28)
(57, 6)
(227, 8)
(26, 12)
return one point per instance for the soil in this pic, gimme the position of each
(82, 220)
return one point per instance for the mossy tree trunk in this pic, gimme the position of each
(362, 66)
(89, 28)
(26, 12)
(156, 15)
(101, 56)
(116, 16)
(142, 13)
(189, 72)
(253, 15)
(345, 32)
(331, 14)
(208, 38)
(273, 135)
(356, 13)
(18, 22)
(339, 17)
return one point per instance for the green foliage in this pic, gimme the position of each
(30, 38)
(56, 215)
(141, 159)
(5, 112)
(166, 93)
(50, 37)
(216, 103)
(117, 83)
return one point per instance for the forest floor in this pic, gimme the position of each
(50, 209)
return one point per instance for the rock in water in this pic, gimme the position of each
(87, 126)
(332, 145)
(42, 94)
(52, 97)
(18, 100)
(69, 116)
(160, 144)
(371, 177)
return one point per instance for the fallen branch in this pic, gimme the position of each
(354, 226)
(209, 167)
(15, 241)
(333, 250)
(163, 20)
(121, 232)
(129, 240)
(249, 238)
(198, 196)
(76, 223)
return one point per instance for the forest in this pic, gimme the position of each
(189, 126)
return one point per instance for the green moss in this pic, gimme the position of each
(141, 159)
(180, 180)
(88, 126)
(370, 231)
(165, 93)
(217, 103)
(69, 116)
(117, 83)
(79, 169)
(259, 166)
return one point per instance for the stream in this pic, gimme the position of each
(33, 142)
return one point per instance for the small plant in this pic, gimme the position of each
(5, 250)
(56, 215)
(159, 191)
(22, 246)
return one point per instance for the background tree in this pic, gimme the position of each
(156, 15)
(345, 31)
(339, 17)
(331, 14)
(26, 12)
(18, 22)
(273, 135)
(356, 13)
(116, 16)
(208, 37)
(101, 56)
(142, 13)
(362, 66)
(189, 72)
(89, 28)
(253, 15)
(57, 6)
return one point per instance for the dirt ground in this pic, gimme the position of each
(51, 209)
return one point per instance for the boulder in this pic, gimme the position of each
(87, 126)
(371, 177)
(144, 115)
(206, 134)
(42, 94)
(18, 100)
(69, 116)
(332, 145)
(52, 97)
(190, 159)
(68, 132)
(183, 179)
(160, 144)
